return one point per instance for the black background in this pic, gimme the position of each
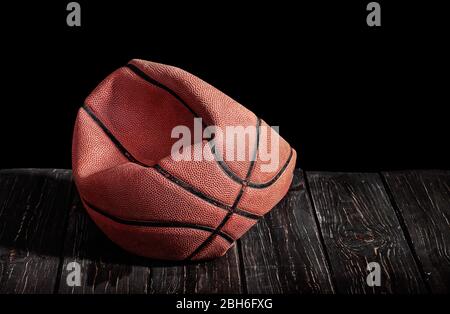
(346, 96)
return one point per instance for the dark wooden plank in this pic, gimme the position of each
(423, 199)
(33, 213)
(105, 268)
(283, 252)
(216, 276)
(360, 226)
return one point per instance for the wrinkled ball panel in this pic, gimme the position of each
(151, 204)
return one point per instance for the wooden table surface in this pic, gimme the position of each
(318, 239)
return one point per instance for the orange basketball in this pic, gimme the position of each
(144, 199)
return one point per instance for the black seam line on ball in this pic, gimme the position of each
(218, 230)
(230, 213)
(225, 166)
(275, 178)
(204, 197)
(152, 81)
(263, 185)
(164, 172)
(157, 224)
(221, 163)
(255, 151)
(115, 141)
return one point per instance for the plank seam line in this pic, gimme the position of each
(402, 224)
(319, 233)
(242, 266)
(64, 236)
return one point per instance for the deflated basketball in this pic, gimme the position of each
(153, 203)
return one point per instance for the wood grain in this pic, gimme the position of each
(423, 199)
(359, 226)
(105, 268)
(283, 252)
(296, 248)
(33, 216)
(216, 276)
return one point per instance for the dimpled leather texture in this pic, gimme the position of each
(150, 204)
